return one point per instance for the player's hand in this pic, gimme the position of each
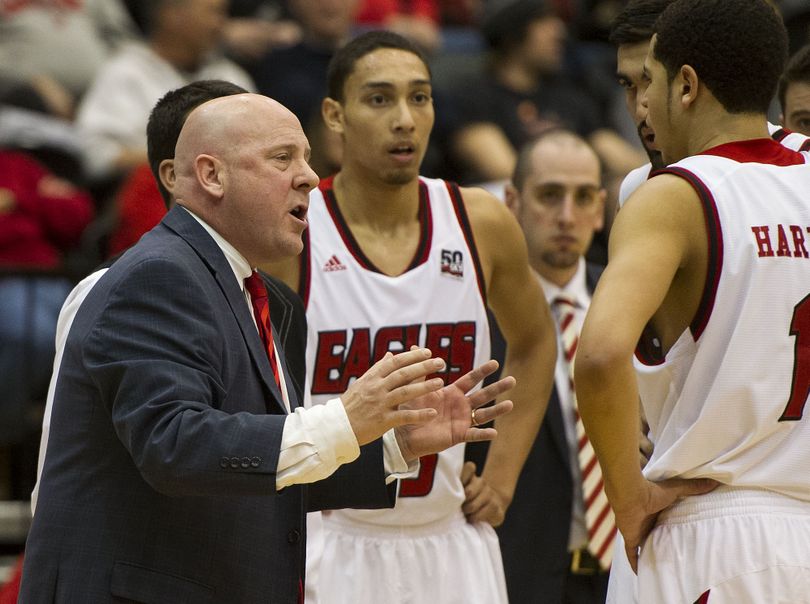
(372, 403)
(637, 519)
(482, 503)
(454, 406)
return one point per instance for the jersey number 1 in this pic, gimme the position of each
(800, 386)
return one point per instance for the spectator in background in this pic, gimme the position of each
(139, 207)
(796, 16)
(60, 45)
(794, 92)
(525, 91)
(296, 76)
(183, 37)
(257, 26)
(253, 27)
(417, 20)
(41, 218)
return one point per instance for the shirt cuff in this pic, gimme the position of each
(396, 468)
(314, 443)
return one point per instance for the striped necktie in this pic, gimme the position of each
(261, 312)
(599, 520)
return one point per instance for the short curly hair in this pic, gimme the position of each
(737, 47)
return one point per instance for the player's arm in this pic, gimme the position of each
(517, 301)
(654, 237)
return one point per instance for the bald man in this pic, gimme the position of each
(178, 456)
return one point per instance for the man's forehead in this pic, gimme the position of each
(631, 56)
(387, 64)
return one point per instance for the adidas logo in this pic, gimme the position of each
(333, 265)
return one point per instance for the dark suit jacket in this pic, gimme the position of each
(159, 480)
(534, 535)
(289, 319)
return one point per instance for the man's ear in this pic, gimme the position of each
(512, 199)
(332, 113)
(210, 174)
(689, 85)
(166, 174)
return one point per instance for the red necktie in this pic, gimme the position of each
(599, 519)
(261, 312)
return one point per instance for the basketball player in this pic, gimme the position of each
(630, 32)
(392, 260)
(708, 278)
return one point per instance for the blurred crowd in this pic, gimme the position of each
(79, 77)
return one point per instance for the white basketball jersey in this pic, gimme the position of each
(356, 314)
(728, 400)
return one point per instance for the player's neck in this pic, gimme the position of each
(371, 202)
(723, 127)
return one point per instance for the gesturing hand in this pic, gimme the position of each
(372, 403)
(453, 420)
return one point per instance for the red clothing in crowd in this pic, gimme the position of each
(140, 207)
(41, 216)
(10, 591)
(377, 12)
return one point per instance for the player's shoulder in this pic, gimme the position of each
(483, 206)
(667, 192)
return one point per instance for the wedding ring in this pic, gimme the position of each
(474, 421)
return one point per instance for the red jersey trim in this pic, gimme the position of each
(425, 222)
(715, 241)
(464, 222)
(758, 150)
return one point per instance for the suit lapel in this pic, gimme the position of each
(182, 223)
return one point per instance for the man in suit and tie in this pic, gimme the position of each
(178, 453)
(163, 129)
(557, 534)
